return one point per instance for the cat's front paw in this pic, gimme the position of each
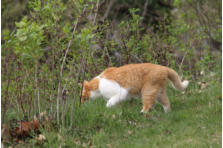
(142, 111)
(110, 104)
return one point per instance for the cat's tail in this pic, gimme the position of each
(175, 79)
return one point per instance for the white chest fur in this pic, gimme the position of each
(111, 91)
(95, 94)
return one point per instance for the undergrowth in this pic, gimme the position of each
(194, 121)
(58, 44)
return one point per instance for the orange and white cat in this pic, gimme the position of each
(119, 84)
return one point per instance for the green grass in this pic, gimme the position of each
(195, 121)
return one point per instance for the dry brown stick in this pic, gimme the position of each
(72, 109)
(180, 66)
(107, 54)
(64, 100)
(68, 48)
(63, 109)
(95, 16)
(82, 83)
(5, 100)
(145, 9)
(37, 87)
(108, 9)
(59, 93)
(51, 106)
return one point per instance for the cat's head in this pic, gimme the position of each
(85, 92)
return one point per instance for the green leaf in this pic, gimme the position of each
(22, 38)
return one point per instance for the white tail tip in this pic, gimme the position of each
(185, 84)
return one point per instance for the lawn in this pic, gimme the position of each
(195, 121)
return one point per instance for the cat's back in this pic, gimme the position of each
(128, 69)
(109, 70)
(130, 72)
(132, 76)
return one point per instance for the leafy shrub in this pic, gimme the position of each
(44, 60)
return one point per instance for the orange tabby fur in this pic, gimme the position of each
(89, 86)
(146, 79)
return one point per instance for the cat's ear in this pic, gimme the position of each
(85, 84)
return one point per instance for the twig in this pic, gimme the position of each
(107, 53)
(145, 10)
(128, 54)
(108, 9)
(5, 100)
(180, 67)
(82, 84)
(68, 48)
(63, 108)
(72, 109)
(95, 16)
(37, 87)
(137, 58)
(51, 107)
(59, 95)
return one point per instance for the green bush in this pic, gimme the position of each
(36, 76)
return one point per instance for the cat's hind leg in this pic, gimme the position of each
(119, 97)
(149, 94)
(164, 101)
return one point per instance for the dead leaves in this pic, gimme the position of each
(60, 138)
(83, 144)
(25, 128)
(5, 133)
(40, 138)
(21, 131)
(77, 142)
(18, 131)
(109, 145)
(129, 132)
(202, 85)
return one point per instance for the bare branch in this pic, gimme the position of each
(95, 16)
(180, 66)
(145, 8)
(108, 9)
(72, 109)
(59, 94)
(37, 87)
